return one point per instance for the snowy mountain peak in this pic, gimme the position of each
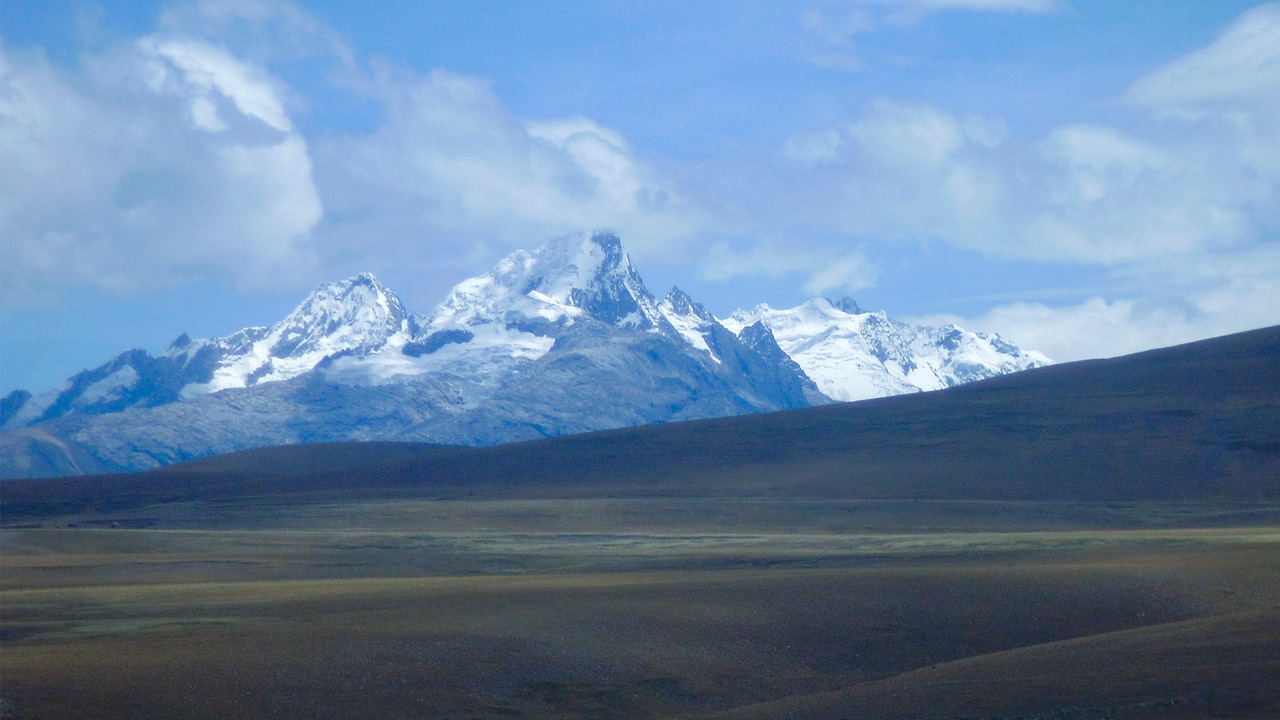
(853, 354)
(812, 314)
(679, 303)
(846, 304)
(690, 321)
(561, 339)
(594, 273)
(356, 316)
(568, 277)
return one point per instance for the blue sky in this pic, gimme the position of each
(1086, 178)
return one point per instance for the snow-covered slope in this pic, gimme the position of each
(569, 277)
(353, 317)
(563, 339)
(857, 355)
(689, 320)
(491, 325)
(357, 332)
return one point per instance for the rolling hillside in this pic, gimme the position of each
(1095, 540)
(1192, 422)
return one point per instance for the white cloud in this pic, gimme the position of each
(1205, 176)
(1238, 74)
(835, 28)
(1084, 192)
(257, 30)
(178, 155)
(836, 23)
(205, 69)
(1030, 6)
(849, 273)
(843, 19)
(1171, 303)
(1094, 328)
(147, 165)
(826, 268)
(1106, 197)
(271, 185)
(601, 154)
(1184, 206)
(1229, 93)
(1097, 159)
(459, 173)
(899, 170)
(175, 156)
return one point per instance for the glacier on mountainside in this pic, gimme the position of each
(562, 339)
(856, 355)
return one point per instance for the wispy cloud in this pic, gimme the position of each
(176, 156)
(1185, 202)
(185, 154)
(453, 172)
(206, 73)
(835, 25)
(1235, 77)
(829, 269)
(1028, 6)
(1220, 294)
(1200, 174)
(152, 163)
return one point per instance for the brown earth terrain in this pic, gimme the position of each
(1096, 540)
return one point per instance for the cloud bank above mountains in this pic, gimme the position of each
(252, 142)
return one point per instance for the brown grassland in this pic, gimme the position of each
(1093, 540)
(643, 609)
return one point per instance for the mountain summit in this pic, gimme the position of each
(563, 339)
(353, 317)
(856, 355)
(569, 277)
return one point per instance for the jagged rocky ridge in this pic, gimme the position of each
(564, 339)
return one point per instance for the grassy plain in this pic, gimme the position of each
(643, 608)
(1091, 540)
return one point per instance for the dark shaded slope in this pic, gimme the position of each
(1193, 422)
(1210, 667)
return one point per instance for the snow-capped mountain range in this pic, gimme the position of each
(563, 339)
(856, 355)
